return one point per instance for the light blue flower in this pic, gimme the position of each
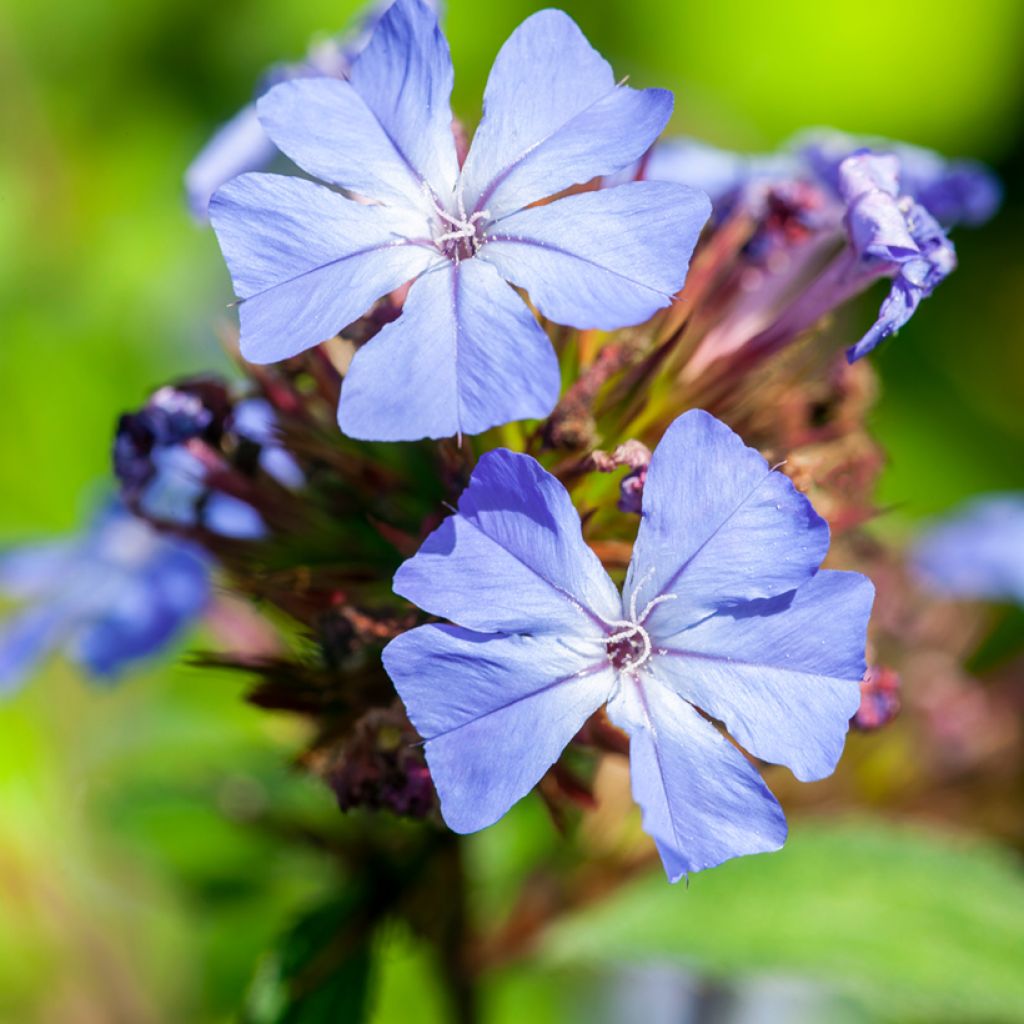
(724, 610)
(977, 552)
(466, 353)
(117, 593)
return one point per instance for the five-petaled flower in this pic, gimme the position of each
(725, 615)
(466, 353)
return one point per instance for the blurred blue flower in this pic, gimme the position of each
(977, 552)
(117, 593)
(307, 261)
(724, 610)
(896, 235)
(241, 144)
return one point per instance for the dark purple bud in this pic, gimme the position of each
(381, 767)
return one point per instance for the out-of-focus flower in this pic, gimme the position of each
(724, 615)
(978, 552)
(306, 261)
(241, 144)
(117, 593)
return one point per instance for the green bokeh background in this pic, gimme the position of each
(128, 889)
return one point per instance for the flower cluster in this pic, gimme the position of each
(560, 299)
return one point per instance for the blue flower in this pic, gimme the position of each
(724, 610)
(978, 552)
(241, 144)
(892, 234)
(466, 353)
(117, 593)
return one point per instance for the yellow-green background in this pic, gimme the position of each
(129, 891)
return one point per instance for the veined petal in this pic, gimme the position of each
(496, 712)
(306, 261)
(603, 259)
(554, 117)
(784, 674)
(465, 355)
(702, 801)
(405, 77)
(719, 527)
(386, 132)
(513, 558)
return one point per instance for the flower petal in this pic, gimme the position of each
(33, 569)
(145, 612)
(702, 801)
(496, 712)
(601, 259)
(465, 355)
(554, 117)
(719, 527)
(405, 77)
(784, 674)
(386, 132)
(238, 146)
(513, 558)
(25, 639)
(306, 261)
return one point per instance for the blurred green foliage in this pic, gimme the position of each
(134, 885)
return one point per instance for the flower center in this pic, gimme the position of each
(458, 235)
(630, 648)
(629, 645)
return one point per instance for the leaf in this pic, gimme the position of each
(319, 973)
(917, 924)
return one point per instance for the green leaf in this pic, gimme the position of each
(916, 924)
(320, 972)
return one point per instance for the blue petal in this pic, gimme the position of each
(32, 569)
(718, 172)
(146, 609)
(405, 77)
(24, 640)
(978, 552)
(228, 516)
(465, 355)
(783, 675)
(719, 527)
(554, 117)
(513, 558)
(307, 262)
(702, 801)
(238, 146)
(495, 711)
(601, 259)
(385, 134)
